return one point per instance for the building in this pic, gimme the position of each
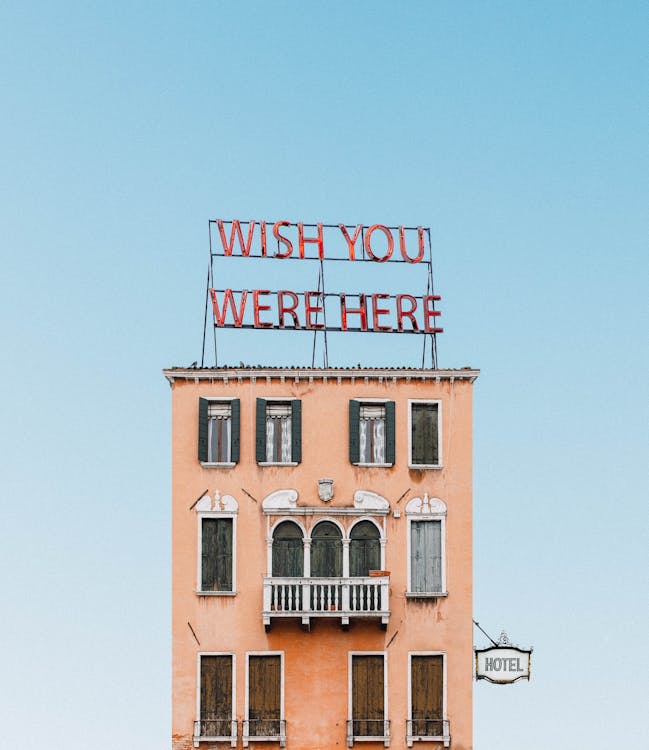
(322, 558)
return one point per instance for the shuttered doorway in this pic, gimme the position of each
(264, 695)
(216, 696)
(427, 689)
(368, 708)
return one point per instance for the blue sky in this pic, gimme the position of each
(516, 131)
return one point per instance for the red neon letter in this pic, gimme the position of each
(389, 237)
(302, 240)
(262, 225)
(430, 312)
(219, 315)
(282, 239)
(258, 308)
(376, 311)
(401, 313)
(402, 245)
(282, 309)
(351, 241)
(309, 308)
(345, 311)
(236, 231)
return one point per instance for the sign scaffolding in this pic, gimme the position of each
(319, 310)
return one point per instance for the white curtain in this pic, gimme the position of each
(379, 441)
(364, 455)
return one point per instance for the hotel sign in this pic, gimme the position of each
(317, 309)
(502, 664)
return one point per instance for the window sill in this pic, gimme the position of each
(277, 463)
(218, 465)
(426, 594)
(374, 466)
(425, 466)
(216, 593)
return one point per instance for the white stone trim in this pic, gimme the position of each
(223, 506)
(367, 500)
(425, 509)
(280, 499)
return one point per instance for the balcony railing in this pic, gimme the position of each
(368, 730)
(365, 596)
(215, 730)
(428, 729)
(264, 730)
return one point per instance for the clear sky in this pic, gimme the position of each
(517, 130)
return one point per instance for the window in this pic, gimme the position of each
(279, 431)
(264, 699)
(371, 432)
(368, 698)
(425, 434)
(326, 551)
(427, 699)
(216, 715)
(218, 431)
(364, 549)
(426, 546)
(216, 554)
(288, 551)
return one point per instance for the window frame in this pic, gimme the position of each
(440, 457)
(410, 739)
(222, 464)
(350, 693)
(246, 713)
(374, 402)
(229, 738)
(220, 514)
(414, 514)
(279, 400)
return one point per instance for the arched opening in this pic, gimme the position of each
(288, 550)
(326, 551)
(364, 549)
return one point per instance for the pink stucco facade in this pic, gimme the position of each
(316, 645)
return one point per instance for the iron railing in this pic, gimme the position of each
(264, 729)
(368, 729)
(428, 729)
(216, 729)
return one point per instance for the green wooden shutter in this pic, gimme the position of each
(354, 431)
(202, 429)
(390, 432)
(235, 430)
(260, 433)
(426, 556)
(296, 430)
(216, 554)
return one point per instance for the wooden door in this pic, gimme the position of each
(368, 695)
(264, 695)
(427, 689)
(216, 696)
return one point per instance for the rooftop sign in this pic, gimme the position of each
(314, 309)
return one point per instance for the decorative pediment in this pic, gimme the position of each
(429, 506)
(220, 503)
(366, 500)
(280, 500)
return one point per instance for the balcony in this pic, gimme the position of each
(215, 730)
(264, 730)
(368, 730)
(435, 730)
(341, 598)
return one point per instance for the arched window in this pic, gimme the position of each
(326, 551)
(364, 549)
(288, 550)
